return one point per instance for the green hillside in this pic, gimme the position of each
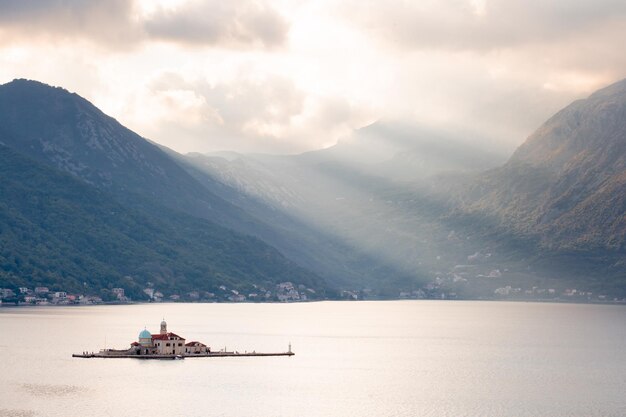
(59, 232)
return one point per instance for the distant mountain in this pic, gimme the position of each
(66, 132)
(567, 182)
(304, 201)
(85, 200)
(422, 204)
(563, 192)
(394, 210)
(409, 152)
(334, 202)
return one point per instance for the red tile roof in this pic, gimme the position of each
(166, 336)
(198, 344)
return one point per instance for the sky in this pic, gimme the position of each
(288, 76)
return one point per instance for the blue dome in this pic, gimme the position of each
(145, 334)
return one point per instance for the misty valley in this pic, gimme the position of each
(312, 208)
(92, 212)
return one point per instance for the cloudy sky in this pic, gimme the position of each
(286, 76)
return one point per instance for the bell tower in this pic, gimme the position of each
(163, 327)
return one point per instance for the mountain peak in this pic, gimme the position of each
(54, 125)
(581, 133)
(29, 82)
(566, 182)
(64, 130)
(615, 89)
(26, 86)
(67, 132)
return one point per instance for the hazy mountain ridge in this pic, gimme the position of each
(555, 209)
(69, 133)
(411, 153)
(271, 187)
(567, 183)
(388, 213)
(146, 177)
(119, 169)
(343, 195)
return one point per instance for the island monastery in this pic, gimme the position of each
(165, 343)
(168, 345)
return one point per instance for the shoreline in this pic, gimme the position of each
(139, 303)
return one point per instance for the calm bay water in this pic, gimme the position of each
(396, 358)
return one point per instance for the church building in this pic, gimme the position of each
(166, 343)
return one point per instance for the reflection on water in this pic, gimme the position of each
(50, 390)
(16, 413)
(400, 358)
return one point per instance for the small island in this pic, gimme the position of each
(168, 345)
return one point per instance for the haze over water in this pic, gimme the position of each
(396, 358)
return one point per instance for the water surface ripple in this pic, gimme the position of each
(396, 358)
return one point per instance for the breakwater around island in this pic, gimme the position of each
(173, 357)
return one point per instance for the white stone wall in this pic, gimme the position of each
(173, 346)
(191, 350)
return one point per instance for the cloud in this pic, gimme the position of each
(233, 23)
(109, 22)
(481, 25)
(496, 67)
(122, 24)
(199, 77)
(247, 114)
